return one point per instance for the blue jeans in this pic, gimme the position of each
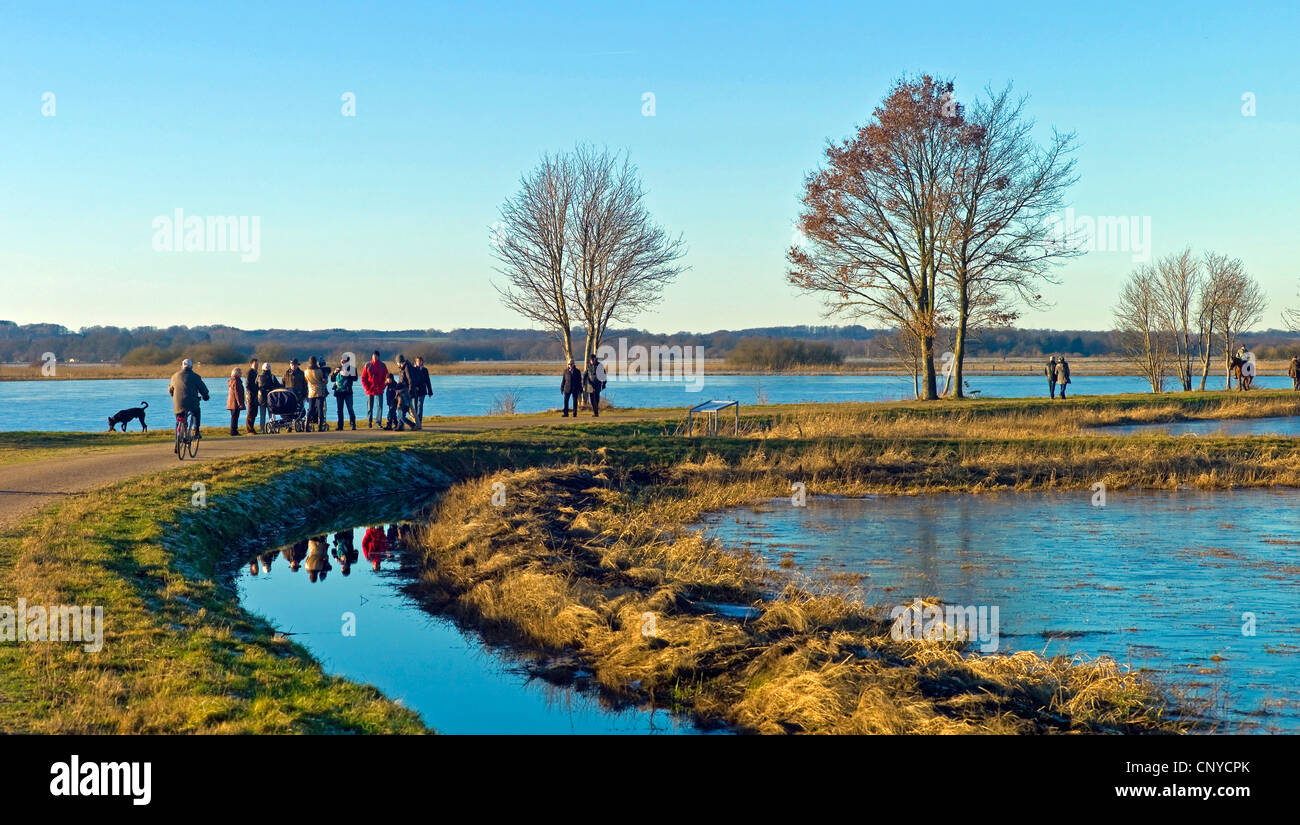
(417, 411)
(342, 401)
(375, 408)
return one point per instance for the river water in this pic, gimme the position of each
(341, 596)
(1201, 588)
(85, 405)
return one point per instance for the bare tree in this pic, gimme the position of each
(1139, 321)
(1178, 282)
(620, 260)
(576, 242)
(1209, 309)
(874, 217)
(1291, 317)
(1005, 191)
(1240, 304)
(531, 245)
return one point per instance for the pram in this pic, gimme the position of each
(286, 412)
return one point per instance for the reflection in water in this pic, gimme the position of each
(1173, 582)
(364, 628)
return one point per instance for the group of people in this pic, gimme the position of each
(575, 382)
(404, 390)
(1057, 372)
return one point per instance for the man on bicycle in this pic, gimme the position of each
(186, 388)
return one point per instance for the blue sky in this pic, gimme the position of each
(382, 220)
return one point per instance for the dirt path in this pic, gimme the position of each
(25, 487)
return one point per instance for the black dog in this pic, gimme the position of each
(124, 416)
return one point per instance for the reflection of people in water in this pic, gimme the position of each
(294, 554)
(344, 552)
(266, 559)
(374, 545)
(252, 567)
(318, 561)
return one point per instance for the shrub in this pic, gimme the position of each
(782, 353)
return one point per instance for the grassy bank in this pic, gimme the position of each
(590, 540)
(179, 655)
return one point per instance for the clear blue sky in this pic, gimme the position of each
(382, 220)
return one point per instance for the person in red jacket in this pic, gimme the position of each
(374, 546)
(374, 377)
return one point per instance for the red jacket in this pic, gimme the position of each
(374, 544)
(373, 377)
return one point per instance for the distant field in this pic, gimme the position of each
(716, 366)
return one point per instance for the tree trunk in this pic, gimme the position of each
(959, 346)
(927, 364)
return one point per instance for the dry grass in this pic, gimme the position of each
(579, 560)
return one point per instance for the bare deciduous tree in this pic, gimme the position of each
(1240, 303)
(1005, 190)
(531, 245)
(1178, 282)
(621, 260)
(576, 243)
(1139, 320)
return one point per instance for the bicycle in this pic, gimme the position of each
(186, 428)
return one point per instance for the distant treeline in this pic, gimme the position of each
(222, 344)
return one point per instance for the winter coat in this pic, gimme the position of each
(265, 383)
(593, 380)
(250, 385)
(1062, 372)
(571, 382)
(423, 385)
(296, 380)
(315, 378)
(235, 394)
(374, 375)
(374, 544)
(186, 389)
(1050, 371)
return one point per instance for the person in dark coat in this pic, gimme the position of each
(344, 552)
(571, 387)
(1050, 372)
(296, 380)
(1062, 374)
(593, 382)
(1293, 370)
(265, 384)
(420, 390)
(341, 381)
(250, 394)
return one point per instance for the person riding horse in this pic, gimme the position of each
(1243, 367)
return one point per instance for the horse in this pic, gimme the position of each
(1244, 377)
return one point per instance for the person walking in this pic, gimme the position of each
(1050, 372)
(422, 389)
(235, 398)
(341, 382)
(593, 382)
(1293, 370)
(316, 394)
(571, 387)
(186, 388)
(1062, 374)
(265, 383)
(250, 395)
(374, 380)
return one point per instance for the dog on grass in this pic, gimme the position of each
(129, 414)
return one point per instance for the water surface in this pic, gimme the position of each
(1156, 580)
(454, 681)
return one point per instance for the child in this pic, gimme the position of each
(390, 395)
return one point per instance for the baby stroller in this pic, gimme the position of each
(286, 412)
